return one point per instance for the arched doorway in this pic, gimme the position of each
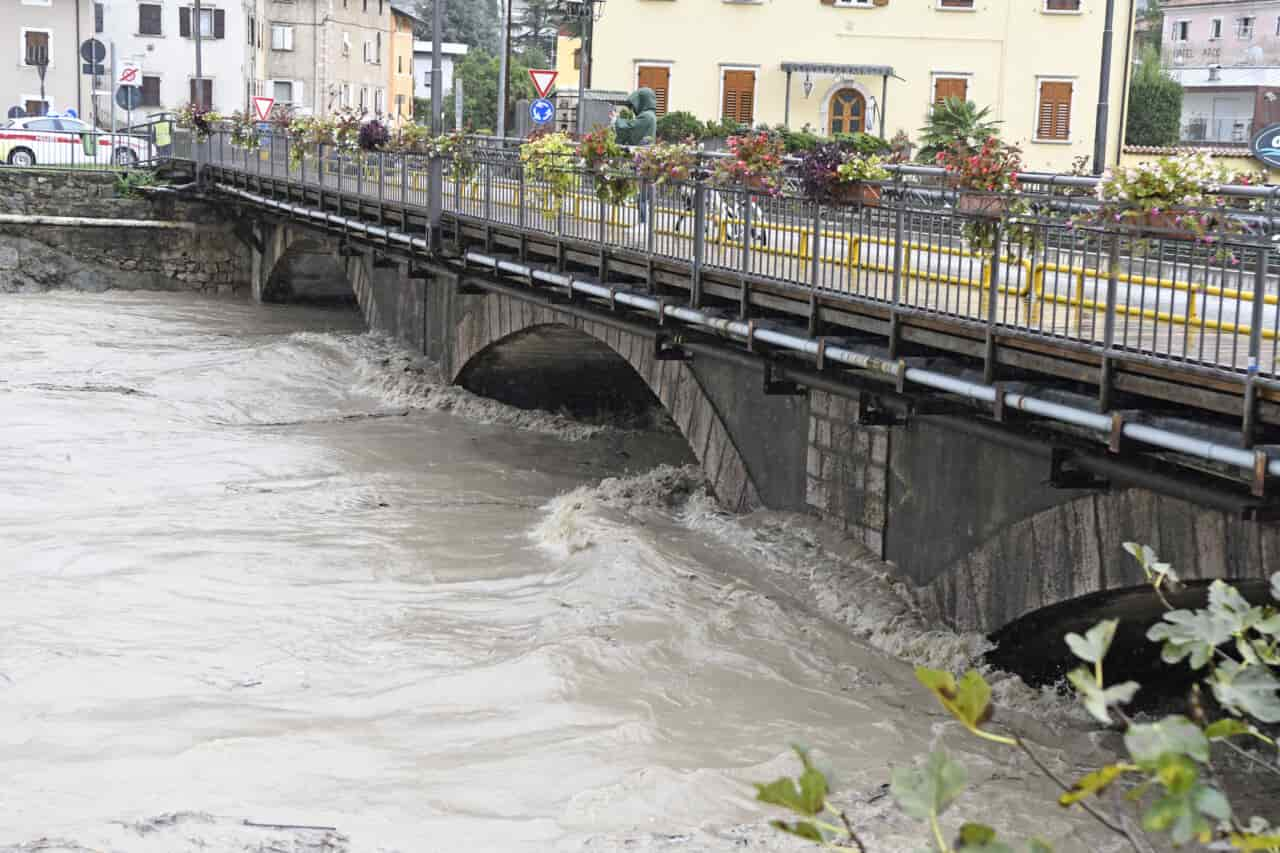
(848, 112)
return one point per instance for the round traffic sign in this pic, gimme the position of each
(542, 111)
(93, 51)
(16, 112)
(1265, 145)
(129, 97)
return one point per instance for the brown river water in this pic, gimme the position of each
(267, 586)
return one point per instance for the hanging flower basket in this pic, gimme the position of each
(1166, 224)
(867, 195)
(981, 204)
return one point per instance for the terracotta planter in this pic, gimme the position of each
(1165, 223)
(879, 2)
(979, 204)
(868, 195)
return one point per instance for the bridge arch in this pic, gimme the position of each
(499, 319)
(299, 265)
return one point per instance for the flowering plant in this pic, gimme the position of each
(459, 150)
(195, 118)
(346, 129)
(666, 161)
(548, 159)
(410, 138)
(244, 131)
(819, 169)
(993, 168)
(1172, 193)
(308, 133)
(756, 162)
(607, 162)
(857, 169)
(373, 136)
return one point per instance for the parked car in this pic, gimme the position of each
(67, 141)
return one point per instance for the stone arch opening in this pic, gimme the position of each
(536, 357)
(309, 272)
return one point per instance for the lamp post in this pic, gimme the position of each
(587, 11)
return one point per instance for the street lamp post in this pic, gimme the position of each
(586, 10)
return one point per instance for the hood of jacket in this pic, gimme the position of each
(643, 100)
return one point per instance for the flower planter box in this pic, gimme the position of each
(979, 204)
(1164, 224)
(868, 195)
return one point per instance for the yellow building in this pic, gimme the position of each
(568, 62)
(400, 84)
(876, 65)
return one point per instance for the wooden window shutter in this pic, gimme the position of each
(828, 2)
(219, 23)
(739, 97)
(950, 87)
(657, 78)
(1054, 119)
(184, 22)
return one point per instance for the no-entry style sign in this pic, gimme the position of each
(543, 80)
(262, 107)
(130, 75)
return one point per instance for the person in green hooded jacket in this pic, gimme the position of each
(640, 129)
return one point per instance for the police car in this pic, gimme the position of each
(64, 140)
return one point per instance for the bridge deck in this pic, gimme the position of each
(1180, 325)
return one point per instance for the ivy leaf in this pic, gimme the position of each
(1225, 728)
(806, 798)
(1250, 841)
(969, 701)
(1190, 633)
(1186, 805)
(1097, 700)
(1092, 647)
(1094, 783)
(1037, 845)
(979, 838)
(1269, 626)
(801, 829)
(1250, 690)
(1174, 735)
(1226, 602)
(926, 792)
(1142, 553)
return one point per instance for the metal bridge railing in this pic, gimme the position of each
(1149, 292)
(68, 143)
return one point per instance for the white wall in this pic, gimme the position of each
(453, 54)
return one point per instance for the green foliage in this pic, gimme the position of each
(863, 144)
(1155, 104)
(722, 129)
(479, 74)
(1175, 780)
(955, 121)
(549, 160)
(129, 184)
(925, 793)
(474, 23)
(679, 126)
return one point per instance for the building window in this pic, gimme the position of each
(35, 47)
(149, 19)
(365, 6)
(282, 91)
(202, 92)
(1215, 29)
(400, 105)
(281, 37)
(150, 91)
(1062, 5)
(847, 112)
(251, 28)
(97, 17)
(657, 78)
(1181, 30)
(364, 97)
(738, 103)
(577, 55)
(955, 4)
(851, 3)
(35, 107)
(400, 64)
(377, 101)
(1244, 28)
(1053, 111)
(379, 8)
(377, 50)
(346, 44)
(950, 87)
(213, 22)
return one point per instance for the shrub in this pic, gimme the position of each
(722, 129)
(862, 144)
(1155, 100)
(679, 126)
(954, 121)
(373, 136)
(798, 141)
(818, 169)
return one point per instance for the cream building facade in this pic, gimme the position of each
(323, 55)
(846, 65)
(46, 31)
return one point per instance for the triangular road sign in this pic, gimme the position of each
(262, 106)
(543, 80)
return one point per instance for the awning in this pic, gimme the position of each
(834, 68)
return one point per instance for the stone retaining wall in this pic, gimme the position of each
(206, 258)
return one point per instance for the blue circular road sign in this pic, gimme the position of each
(542, 111)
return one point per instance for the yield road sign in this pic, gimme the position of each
(543, 80)
(542, 111)
(130, 75)
(262, 107)
(93, 51)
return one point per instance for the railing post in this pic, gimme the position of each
(520, 195)
(435, 201)
(1255, 343)
(746, 231)
(699, 241)
(993, 293)
(488, 190)
(651, 215)
(815, 271)
(1109, 324)
(404, 186)
(602, 225)
(899, 236)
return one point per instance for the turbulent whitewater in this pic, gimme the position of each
(270, 586)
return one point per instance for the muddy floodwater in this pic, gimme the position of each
(267, 586)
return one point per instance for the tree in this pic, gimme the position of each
(474, 23)
(1155, 104)
(537, 26)
(479, 75)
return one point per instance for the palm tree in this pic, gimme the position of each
(953, 120)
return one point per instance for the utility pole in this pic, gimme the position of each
(504, 65)
(587, 14)
(1104, 92)
(435, 169)
(199, 66)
